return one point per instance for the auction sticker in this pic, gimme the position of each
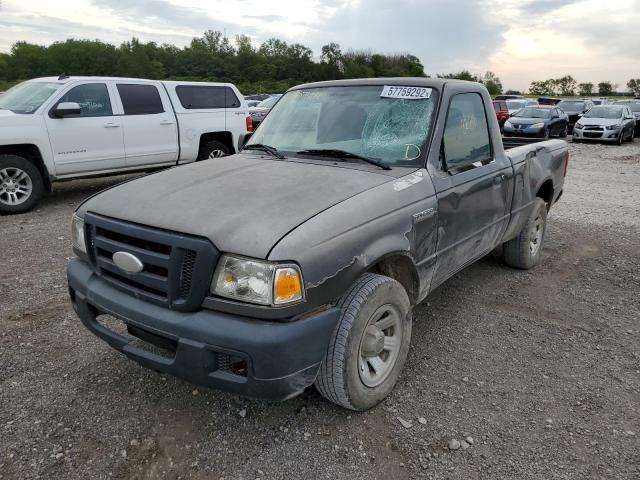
(412, 93)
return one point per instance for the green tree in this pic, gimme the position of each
(633, 85)
(493, 83)
(585, 89)
(566, 85)
(605, 88)
(462, 75)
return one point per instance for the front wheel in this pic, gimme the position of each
(21, 185)
(621, 138)
(525, 250)
(369, 345)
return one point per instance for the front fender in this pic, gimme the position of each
(335, 247)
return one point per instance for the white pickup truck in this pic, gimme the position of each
(60, 128)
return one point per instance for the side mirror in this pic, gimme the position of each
(66, 109)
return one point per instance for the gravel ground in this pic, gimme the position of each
(541, 369)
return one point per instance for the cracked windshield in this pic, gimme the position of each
(388, 124)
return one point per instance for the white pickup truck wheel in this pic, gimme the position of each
(21, 184)
(369, 345)
(214, 149)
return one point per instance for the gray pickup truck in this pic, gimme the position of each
(298, 260)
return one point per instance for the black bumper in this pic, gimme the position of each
(279, 360)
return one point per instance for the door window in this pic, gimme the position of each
(201, 97)
(93, 99)
(466, 137)
(140, 99)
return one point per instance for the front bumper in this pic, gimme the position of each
(602, 134)
(524, 132)
(275, 360)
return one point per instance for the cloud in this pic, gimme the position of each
(445, 35)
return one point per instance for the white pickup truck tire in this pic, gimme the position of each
(213, 149)
(21, 185)
(525, 250)
(369, 345)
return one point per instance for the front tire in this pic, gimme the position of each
(369, 345)
(213, 149)
(525, 250)
(21, 185)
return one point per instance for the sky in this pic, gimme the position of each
(519, 40)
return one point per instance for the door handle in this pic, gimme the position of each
(166, 122)
(112, 125)
(499, 179)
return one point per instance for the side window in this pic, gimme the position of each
(140, 99)
(93, 99)
(466, 136)
(206, 97)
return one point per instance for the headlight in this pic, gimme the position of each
(578, 125)
(537, 125)
(257, 281)
(77, 234)
(613, 127)
(508, 124)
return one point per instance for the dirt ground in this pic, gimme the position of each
(540, 368)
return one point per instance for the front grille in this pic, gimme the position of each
(592, 134)
(177, 269)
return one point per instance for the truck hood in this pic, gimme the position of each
(243, 203)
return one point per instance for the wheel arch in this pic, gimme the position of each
(32, 153)
(401, 267)
(223, 137)
(546, 191)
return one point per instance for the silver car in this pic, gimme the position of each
(606, 123)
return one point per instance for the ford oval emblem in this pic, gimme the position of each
(127, 262)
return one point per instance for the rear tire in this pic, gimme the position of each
(213, 149)
(21, 185)
(564, 132)
(525, 250)
(369, 345)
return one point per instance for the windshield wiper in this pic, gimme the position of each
(342, 154)
(265, 148)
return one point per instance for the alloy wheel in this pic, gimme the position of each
(15, 186)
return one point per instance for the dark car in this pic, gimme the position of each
(502, 111)
(634, 106)
(575, 109)
(298, 261)
(508, 97)
(540, 122)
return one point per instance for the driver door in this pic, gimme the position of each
(91, 141)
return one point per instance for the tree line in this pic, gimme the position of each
(273, 66)
(567, 86)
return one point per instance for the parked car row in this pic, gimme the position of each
(587, 119)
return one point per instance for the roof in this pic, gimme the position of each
(121, 79)
(437, 83)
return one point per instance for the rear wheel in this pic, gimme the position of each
(369, 345)
(213, 149)
(564, 131)
(21, 185)
(525, 250)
